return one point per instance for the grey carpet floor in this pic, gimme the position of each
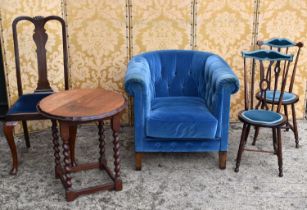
(167, 181)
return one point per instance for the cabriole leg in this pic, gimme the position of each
(8, 129)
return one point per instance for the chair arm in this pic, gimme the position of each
(220, 82)
(138, 83)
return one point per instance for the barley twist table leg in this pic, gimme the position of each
(102, 157)
(115, 128)
(66, 152)
(55, 140)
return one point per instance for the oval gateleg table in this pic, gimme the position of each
(71, 108)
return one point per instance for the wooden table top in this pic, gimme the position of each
(82, 105)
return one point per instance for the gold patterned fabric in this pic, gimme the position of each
(287, 18)
(225, 28)
(103, 35)
(161, 24)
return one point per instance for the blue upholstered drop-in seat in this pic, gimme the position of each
(263, 117)
(27, 103)
(180, 117)
(286, 98)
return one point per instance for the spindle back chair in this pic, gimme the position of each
(289, 98)
(272, 76)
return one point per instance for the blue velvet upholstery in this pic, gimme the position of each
(180, 117)
(261, 116)
(279, 42)
(286, 98)
(181, 100)
(267, 55)
(27, 103)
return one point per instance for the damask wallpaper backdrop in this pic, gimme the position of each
(103, 35)
(226, 28)
(288, 17)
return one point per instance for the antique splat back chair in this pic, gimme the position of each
(289, 98)
(272, 76)
(25, 107)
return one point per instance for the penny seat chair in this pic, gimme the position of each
(24, 108)
(272, 76)
(181, 102)
(289, 98)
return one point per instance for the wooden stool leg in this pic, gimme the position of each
(274, 140)
(244, 136)
(72, 143)
(67, 162)
(138, 161)
(115, 127)
(55, 140)
(222, 159)
(279, 152)
(26, 133)
(256, 135)
(8, 128)
(295, 126)
(102, 156)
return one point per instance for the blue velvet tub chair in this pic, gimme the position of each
(181, 102)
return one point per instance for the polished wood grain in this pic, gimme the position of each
(82, 105)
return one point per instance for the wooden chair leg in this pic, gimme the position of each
(274, 140)
(295, 126)
(222, 159)
(244, 136)
(279, 152)
(72, 143)
(26, 133)
(286, 113)
(138, 161)
(256, 135)
(8, 128)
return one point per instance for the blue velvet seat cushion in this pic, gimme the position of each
(265, 117)
(286, 98)
(180, 117)
(27, 103)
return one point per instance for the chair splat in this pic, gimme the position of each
(40, 38)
